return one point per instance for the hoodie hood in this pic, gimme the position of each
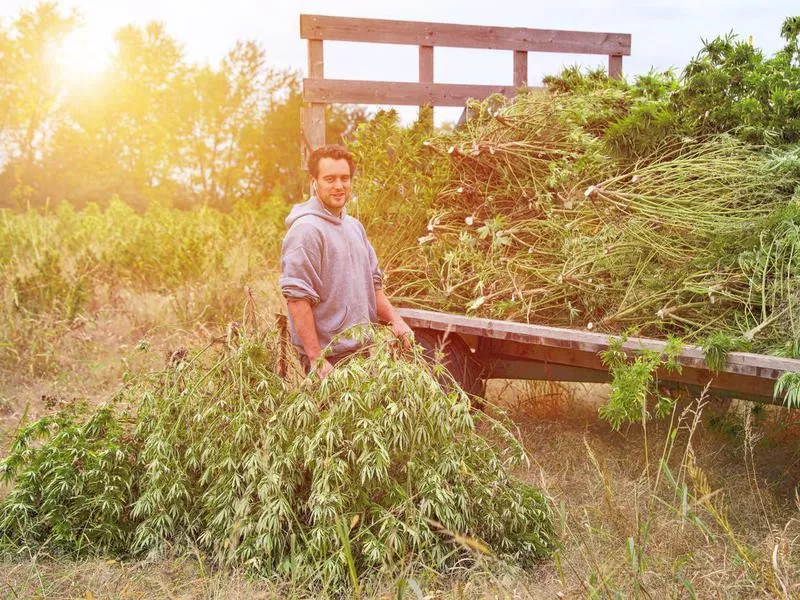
(313, 207)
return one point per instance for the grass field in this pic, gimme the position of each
(666, 206)
(702, 504)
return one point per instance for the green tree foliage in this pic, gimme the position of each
(152, 128)
(731, 86)
(29, 96)
(228, 103)
(128, 128)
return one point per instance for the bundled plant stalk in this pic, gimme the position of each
(375, 468)
(538, 221)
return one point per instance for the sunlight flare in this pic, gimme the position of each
(85, 54)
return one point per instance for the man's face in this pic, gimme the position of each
(333, 183)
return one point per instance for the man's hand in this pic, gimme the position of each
(403, 332)
(322, 368)
(387, 314)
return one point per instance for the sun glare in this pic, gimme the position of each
(84, 54)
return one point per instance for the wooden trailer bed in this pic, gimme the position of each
(506, 349)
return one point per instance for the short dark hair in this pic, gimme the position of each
(334, 151)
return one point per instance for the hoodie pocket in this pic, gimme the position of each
(342, 323)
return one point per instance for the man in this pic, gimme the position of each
(329, 272)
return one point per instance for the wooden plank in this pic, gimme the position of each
(312, 128)
(507, 367)
(345, 91)
(313, 115)
(746, 372)
(305, 143)
(316, 125)
(426, 64)
(582, 340)
(418, 33)
(520, 68)
(698, 377)
(426, 76)
(316, 59)
(615, 66)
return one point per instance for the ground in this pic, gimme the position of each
(699, 504)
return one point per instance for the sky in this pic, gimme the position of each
(665, 33)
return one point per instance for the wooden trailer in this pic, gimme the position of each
(475, 350)
(479, 349)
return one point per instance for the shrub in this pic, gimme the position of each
(731, 86)
(375, 467)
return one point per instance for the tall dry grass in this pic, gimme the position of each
(700, 505)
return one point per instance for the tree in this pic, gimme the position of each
(226, 106)
(151, 128)
(123, 133)
(30, 96)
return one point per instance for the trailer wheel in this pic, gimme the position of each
(456, 357)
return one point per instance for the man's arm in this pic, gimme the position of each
(387, 314)
(306, 329)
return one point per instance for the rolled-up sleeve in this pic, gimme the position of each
(301, 256)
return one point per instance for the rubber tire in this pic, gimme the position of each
(456, 358)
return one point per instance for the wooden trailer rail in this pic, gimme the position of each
(318, 91)
(505, 349)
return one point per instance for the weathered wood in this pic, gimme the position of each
(418, 33)
(426, 76)
(316, 125)
(313, 114)
(562, 337)
(316, 59)
(312, 130)
(391, 92)
(506, 367)
(615, 66)
(520, 68)
(305, 144)
(751, 374)
(692, 375)
(426, 64)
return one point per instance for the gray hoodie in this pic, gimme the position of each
(329, 261)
